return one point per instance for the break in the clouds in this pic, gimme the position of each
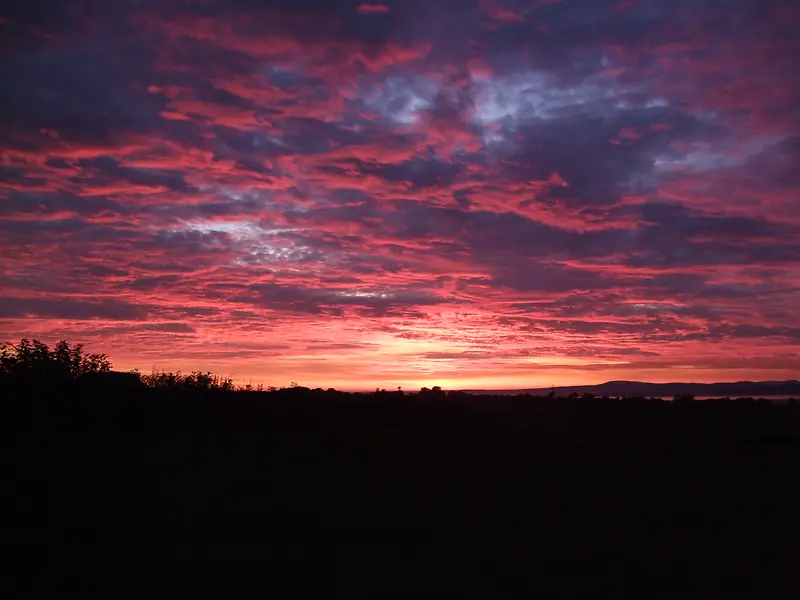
(492, 193)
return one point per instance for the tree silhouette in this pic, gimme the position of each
(28, 360)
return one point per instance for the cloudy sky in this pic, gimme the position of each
(470, 193)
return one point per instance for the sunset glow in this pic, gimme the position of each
(464, 193)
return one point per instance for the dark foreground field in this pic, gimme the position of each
(298, 492)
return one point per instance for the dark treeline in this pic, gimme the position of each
(392, 493)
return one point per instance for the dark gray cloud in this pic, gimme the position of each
(332, 301)
(83, 92)
(106, 170)
(70, 308)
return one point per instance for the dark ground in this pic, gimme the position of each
(298, 492)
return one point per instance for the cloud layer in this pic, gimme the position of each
(476, 193)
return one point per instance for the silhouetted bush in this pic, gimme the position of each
(194, 381)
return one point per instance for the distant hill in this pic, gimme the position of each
(736, 389)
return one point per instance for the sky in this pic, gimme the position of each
(465, 193)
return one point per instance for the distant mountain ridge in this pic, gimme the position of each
(736, 389)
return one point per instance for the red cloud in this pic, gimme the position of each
(372, 9)
(504, 14)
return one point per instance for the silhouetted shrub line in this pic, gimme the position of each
(67, 387)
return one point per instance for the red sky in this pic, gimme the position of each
(468, 193)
